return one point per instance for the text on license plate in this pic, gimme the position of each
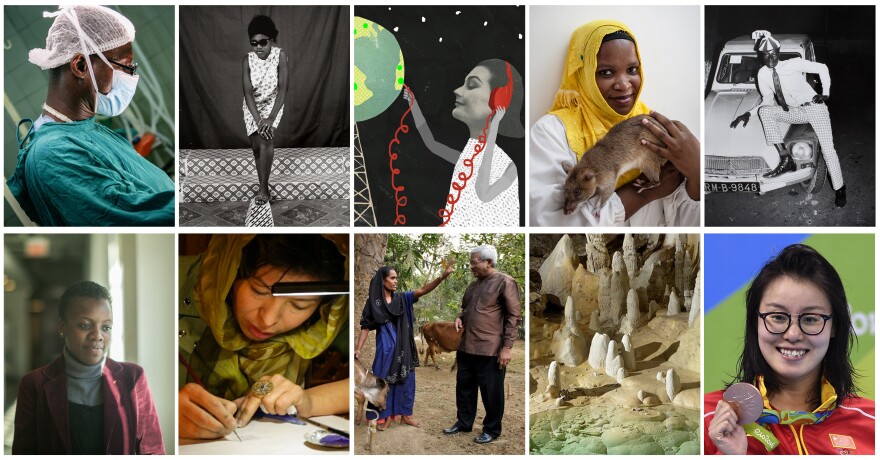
(715, 187)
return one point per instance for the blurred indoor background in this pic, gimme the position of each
(139, 272)
(151, 112)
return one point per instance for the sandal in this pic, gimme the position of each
(261, 199)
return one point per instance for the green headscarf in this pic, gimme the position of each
(237, 360)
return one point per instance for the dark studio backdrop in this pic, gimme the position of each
(213, 43)
(433, 70)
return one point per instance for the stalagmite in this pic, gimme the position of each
(629, 356)
(631, 320)
(696, 304)
(630, 258)
(598, 350)
(673, 384)
(553, 384)
(673, 308)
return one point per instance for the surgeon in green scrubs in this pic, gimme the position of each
(71, 170)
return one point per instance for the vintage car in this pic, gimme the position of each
(736, 159)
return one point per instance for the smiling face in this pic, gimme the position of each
(793, 355)
(480, 268)
(472, 98)
(261, 50)
(260, 315)
(87, 329)
(771, 58)
(617, 74)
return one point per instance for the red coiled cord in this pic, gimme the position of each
(446, 214)
(399, 197)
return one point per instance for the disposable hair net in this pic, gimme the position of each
(102, 29)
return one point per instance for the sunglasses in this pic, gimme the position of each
(262, 42)
(131, 69)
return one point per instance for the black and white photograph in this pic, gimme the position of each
(783, 146)
(264, 116)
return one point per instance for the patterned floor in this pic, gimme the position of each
(291, 213)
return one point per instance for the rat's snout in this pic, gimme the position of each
(568, 207)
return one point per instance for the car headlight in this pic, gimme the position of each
(801, 151)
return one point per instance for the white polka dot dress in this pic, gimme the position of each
(470, 211)
(264, 79)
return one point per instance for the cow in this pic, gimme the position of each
(368, 387)
(440, 337)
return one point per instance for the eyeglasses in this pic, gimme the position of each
(810, 323)
(131, 69)
(262, 42)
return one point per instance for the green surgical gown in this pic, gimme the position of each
(83, 174)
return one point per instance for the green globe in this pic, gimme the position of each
(378, 69)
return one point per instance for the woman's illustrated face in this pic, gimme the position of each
(260, 315)
(793, 355)
(617, 74)
(262, 45)
(472, 98)
(87, 329)
(390, 281)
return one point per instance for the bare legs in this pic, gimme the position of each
(264, 153)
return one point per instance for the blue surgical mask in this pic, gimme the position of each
(123, 86)
(121, 93)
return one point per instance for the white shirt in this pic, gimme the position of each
(548, 149)
(793, 81)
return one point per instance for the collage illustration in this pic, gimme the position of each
(393, 229)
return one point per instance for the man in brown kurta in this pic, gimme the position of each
(490, 312)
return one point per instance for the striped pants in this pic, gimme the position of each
(817, 117)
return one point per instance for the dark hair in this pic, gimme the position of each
(262, 25)
(510, 125)
(302, 254)
(802, 263)
(618, 35)
(82, 290)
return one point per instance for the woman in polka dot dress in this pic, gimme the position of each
(265, 88)
(489, 196)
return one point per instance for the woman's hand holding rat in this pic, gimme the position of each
(682, 149)
(727, 435)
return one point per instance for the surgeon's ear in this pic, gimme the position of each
(78, 66)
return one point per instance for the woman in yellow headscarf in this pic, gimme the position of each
(600, 87)
(241, 346)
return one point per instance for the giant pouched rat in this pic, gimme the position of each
(601, 165)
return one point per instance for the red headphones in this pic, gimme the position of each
(500, 97)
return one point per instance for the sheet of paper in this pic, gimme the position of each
(266, 436)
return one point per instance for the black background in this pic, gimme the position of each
(433, 70)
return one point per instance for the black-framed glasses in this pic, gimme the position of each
(778, 322)
(131, 69)
(262, 42)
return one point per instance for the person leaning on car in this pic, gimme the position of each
(788, 98)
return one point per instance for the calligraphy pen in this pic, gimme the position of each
(198, 382)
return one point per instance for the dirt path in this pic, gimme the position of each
(435, 410)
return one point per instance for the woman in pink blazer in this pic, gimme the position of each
(84, 402)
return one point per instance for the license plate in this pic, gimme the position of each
(715, 187)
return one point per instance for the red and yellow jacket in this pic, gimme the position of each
(848, 430)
